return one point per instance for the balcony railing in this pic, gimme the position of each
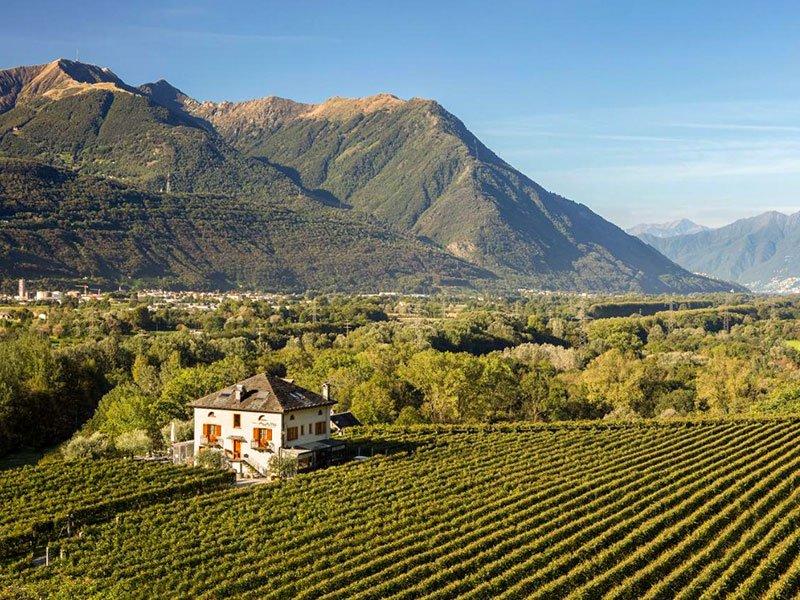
(207, 440)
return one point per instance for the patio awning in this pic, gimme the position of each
(236, 437)
(323, 445)
(296, 452)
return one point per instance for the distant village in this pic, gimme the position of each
(209, 300)
(157, 297)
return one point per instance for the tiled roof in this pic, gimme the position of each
(345, 419)
(263, 393)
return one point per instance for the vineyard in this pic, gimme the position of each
(695, 509)
(40, 503)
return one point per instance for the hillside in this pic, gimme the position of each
(669, 229)
(761, 252)
(407, 169)
(60, 225)
(669, 509)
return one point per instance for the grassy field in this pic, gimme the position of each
(794, 344)
(647, 510)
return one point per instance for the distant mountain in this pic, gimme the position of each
(679, 227)
(761, 252)
(405, 182)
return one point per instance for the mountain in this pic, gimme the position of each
(404, 181)
(761, 252)
(62, 226)
(53, 81)
(679, 227)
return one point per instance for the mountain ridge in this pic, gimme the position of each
(408, 164)
(668, 229)
(762, 252)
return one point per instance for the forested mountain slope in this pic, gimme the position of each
(61, 225)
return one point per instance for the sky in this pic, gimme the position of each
(644, 111)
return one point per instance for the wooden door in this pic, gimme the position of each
(237, 449)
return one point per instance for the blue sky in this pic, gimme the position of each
(644, 111)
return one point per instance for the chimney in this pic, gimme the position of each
(238, 392)
(326, 390)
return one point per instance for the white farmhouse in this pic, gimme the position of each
(263, 416)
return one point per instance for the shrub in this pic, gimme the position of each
(85, 447)
(283, 467)
(209, 458)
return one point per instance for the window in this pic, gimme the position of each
(261, 437)
(320, 427)
(291, 417)
(319, 412)
(237, 420)
(303, 430)
(291, 433)
(211, 432)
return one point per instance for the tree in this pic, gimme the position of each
(614, 378)
(125, 408)
(409, 416)
(145, 375)
(499, 394)
(535, 386)
(184, 431)
(726, 383)
(625, 335)
(449, 383)
(193, 383)
(372, 402)
(134, 442)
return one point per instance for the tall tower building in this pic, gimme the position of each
(22, 293)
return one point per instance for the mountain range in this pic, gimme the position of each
(762, 252)
(669, 229)
(103, 180)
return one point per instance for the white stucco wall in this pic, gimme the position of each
(304, 420)
(249, 421)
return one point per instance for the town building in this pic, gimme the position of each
(22, 292)
(266, 416)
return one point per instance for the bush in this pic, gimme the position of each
(282, 467)
(81, 447)
(209, 458)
